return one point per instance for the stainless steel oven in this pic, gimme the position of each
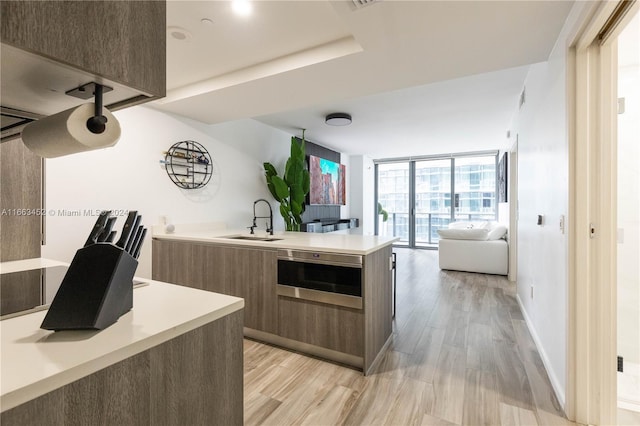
(330, 278)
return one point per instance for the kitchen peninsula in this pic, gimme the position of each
(175, 358)
(326, 295)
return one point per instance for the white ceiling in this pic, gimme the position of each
(418, 77)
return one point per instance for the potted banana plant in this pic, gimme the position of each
(291, 189)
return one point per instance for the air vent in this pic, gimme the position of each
(359, 4)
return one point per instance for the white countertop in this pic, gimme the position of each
(326, 242)
(36, 361)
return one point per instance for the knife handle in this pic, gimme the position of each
(135, 239)
(132, 234)
(97, 228)
(106, 231)
(126, 229)
(136, 251)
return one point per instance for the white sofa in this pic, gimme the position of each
(474, 247)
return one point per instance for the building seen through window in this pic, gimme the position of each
(466, 183)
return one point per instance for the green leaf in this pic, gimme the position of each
(306, 181)
(281, 189)
(296, 208)
(269, 169)
(296, 149)
(296, 194)
(383, 212)
(272, 189)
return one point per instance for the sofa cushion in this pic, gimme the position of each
(481, 231)
(464, 234)
(498, 231)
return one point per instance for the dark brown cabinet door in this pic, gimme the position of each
(20, 202)
(123, 41)
(241, 272)
(254, 279)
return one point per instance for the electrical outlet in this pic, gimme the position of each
(562, 223)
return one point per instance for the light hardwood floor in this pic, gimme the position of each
(461, 354)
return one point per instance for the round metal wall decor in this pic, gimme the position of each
(188, 165)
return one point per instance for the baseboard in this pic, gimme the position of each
(560, 395)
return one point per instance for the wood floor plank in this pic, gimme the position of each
(541, 388)
(481, 402)
(394, 365)
(480, 309)
(429, 420)
(449, 383)
(408, 404)
(513, 383)
(257, 408)
(296, 406)
(480, 348)
(502, 329)
(423, 363)
(374, 403)
(407, 336)
(440, 315)
(332, 409)
(456, 332)
(511, 415)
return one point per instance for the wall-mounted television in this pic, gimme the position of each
(327, 182)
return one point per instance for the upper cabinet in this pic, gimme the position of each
(51, 47)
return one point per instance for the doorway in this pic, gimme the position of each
(604, 230)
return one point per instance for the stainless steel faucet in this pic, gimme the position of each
(270, 217)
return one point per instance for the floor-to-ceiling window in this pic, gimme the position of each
(416, 197)
(393, 200)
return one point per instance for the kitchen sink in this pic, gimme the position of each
(251, 238)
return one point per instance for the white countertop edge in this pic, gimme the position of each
(28, 264)
(284, 243)
(34, 390)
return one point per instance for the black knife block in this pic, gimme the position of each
(95, 292)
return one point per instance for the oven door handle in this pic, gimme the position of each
(339, 299)
(320, 262)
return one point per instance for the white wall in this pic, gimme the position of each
(361, 188)
(129, 177)
(543, 181)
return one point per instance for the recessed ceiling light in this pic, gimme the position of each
(338, 119)
(206, 21)
(241, 7)
(179, 33)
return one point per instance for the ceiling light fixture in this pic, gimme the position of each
(338, 119)
(206, 21)
(179, 33)
(241, 7)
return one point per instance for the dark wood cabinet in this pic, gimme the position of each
(21, 219)
(352, 336)
(243, 272)
(327, 326)
(253, 277)
(20, 291)
(122, 41)
(193, 379)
